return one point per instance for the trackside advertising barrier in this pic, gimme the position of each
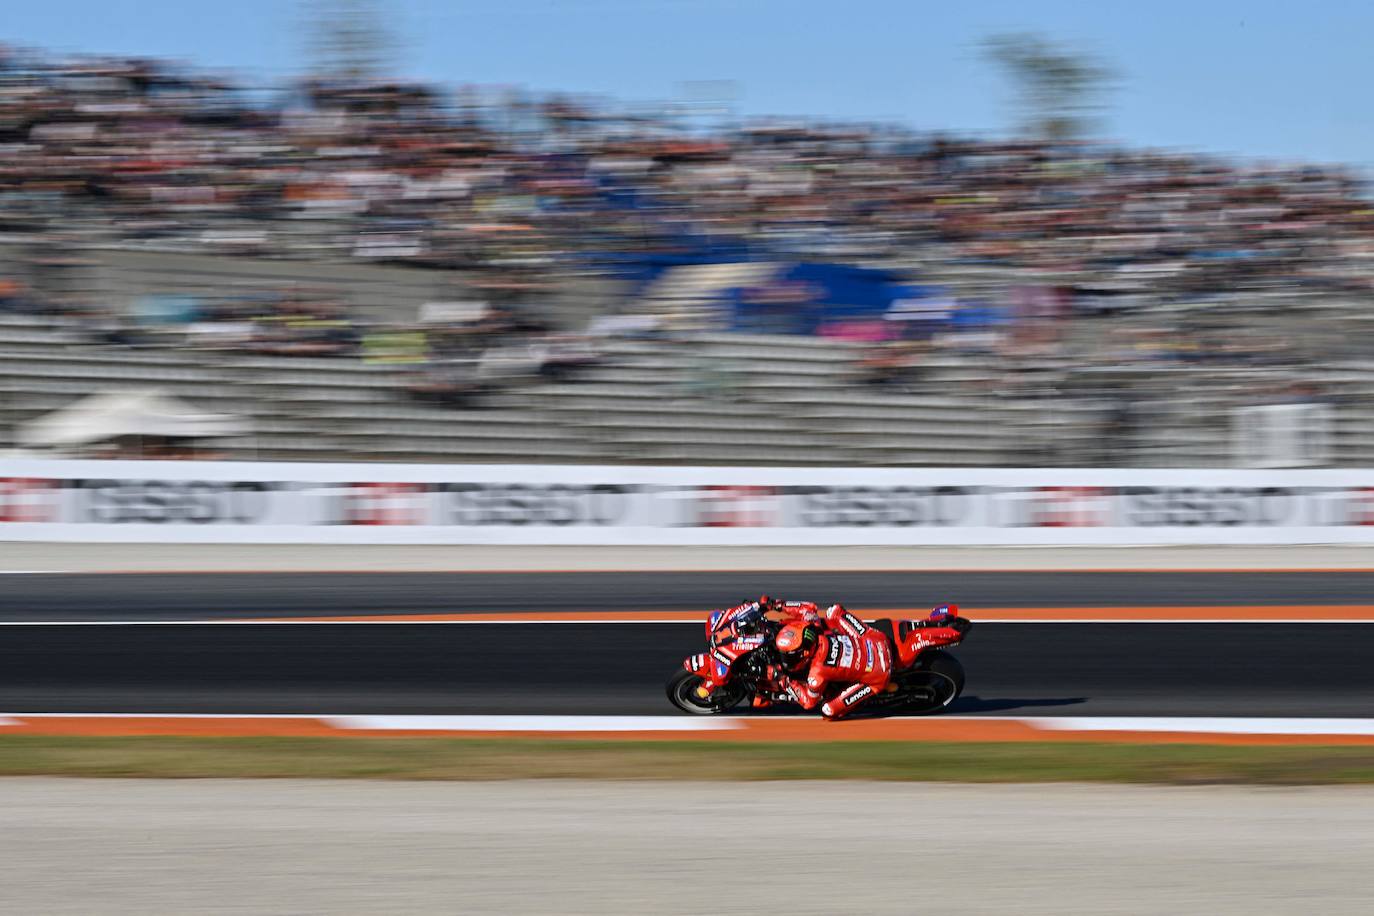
(244, 502)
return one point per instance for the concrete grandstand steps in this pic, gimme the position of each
(383, 423)
(376, 289)
(51, 323)
(811, 379)
(629, 375)
(277, 424)
(106, 356)
(427, 451)
(313, 365)
(16, 340)
(715, 455)
(382, 428)
(875, 424)
(839, 401)
(268, 382)
(926, 436)
(672, 404)
(877, 456)
(756, 375)
(276, 447)
(315, 400)
(506, 450)
(682, 404)
(108, 374)
(734, 422)
(591, 393)
(81, 383)
(58, 391)
(420, 413)
(809, 363)
(706, 398)
(970, 436)
(794, 346)
(315, 382)
(669, 400)
(723, 439)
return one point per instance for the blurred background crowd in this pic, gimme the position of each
(108, 149)
(544, 227)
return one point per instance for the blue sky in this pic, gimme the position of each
(1280, 80)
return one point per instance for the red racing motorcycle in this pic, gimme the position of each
(741, 662)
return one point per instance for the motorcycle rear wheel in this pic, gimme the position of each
(937, 680)
(681, 691)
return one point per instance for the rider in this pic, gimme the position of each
(837, 648)
(840, 649)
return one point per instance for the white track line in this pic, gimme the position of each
(668, 722)
(306, 621)
(1233, 725)
(158, 715)
(534, 723)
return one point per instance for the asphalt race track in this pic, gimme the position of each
(50, 662)
(136, 596)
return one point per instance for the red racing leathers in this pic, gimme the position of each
(849, 652)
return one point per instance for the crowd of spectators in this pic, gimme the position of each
(525, 190)
(143, 151)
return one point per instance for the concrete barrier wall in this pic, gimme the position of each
(243, 502)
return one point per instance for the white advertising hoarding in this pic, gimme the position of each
(168, 501)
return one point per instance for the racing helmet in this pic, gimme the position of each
(796, 643)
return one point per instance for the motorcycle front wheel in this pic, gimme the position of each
(682, 693)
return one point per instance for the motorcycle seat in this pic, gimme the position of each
(892, 631)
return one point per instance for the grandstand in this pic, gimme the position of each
(763, 400)
(789, 401)
(1165, 291)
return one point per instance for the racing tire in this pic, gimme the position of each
(681, 691)
(940, 673)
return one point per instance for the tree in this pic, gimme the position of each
(351, 39)
(1060, 88)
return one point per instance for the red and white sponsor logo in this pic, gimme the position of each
(1071, 507)
(1361, 506)
(386, 504)
(27, 499)
(851, 698)
(736, 507)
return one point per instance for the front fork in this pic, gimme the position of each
(703, 666)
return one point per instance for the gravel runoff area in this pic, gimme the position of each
(563, 847)
(20, 556)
